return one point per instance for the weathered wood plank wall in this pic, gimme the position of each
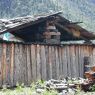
(27, 63)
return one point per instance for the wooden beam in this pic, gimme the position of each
(72, 24)
(71, 33)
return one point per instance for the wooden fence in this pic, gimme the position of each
(26, 63)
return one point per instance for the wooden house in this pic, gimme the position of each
(42, 52)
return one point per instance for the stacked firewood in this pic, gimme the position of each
(62, 86)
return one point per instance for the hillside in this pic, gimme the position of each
(75, 10)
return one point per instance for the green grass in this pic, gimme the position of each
(23, 90)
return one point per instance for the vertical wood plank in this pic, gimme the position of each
(43, 63)
(60, 61)
(29, 65)
(4, 64)
(64, 62)
(33, 60)
(12, 64)
(53, 62)
(47, 63)
(24, 57)
(72, 61)
(68, 61)
(38, 73)
(81, 61)
(57, 63)
(77, 61)
(7, 64)
(17, 61)
(1, 54)
(21, 64)
(50, 63)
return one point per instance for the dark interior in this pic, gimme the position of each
(33, 33)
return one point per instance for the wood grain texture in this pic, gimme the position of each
(17, 61)
(57, 63)
(33, 61)
(64, 62)
(38, 70)
(60, 62)
(50, 63)
(12, 64)
(27, 63)
(53, 62)
(47, 62)
(4, 64)
(43, 63)
(1, 52)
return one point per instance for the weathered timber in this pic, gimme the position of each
(27, 63)
(4, 63)
(72, 61)
(68, 61)
(50, 63)
(60, 62)
(64, 62)
(47, 62)
(43, 63)
(57, 62)
(53, 63)
(24, 57)
(17, 69)
(33, 61)
(38, 72)
(12, 64)
(1, 49)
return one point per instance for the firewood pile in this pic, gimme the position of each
(63, 86)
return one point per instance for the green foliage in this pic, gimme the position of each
(19, 87)
(32, 86)
(92, 88)
(51, 92)
(78, 90)
(23, 90)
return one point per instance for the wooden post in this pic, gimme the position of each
(12, 64)
(43, 63)
(4, 64)
(1, 54)
(29, 64)
(38, 73)
(33, 60)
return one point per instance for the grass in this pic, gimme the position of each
(26, 91)
(23, 90)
